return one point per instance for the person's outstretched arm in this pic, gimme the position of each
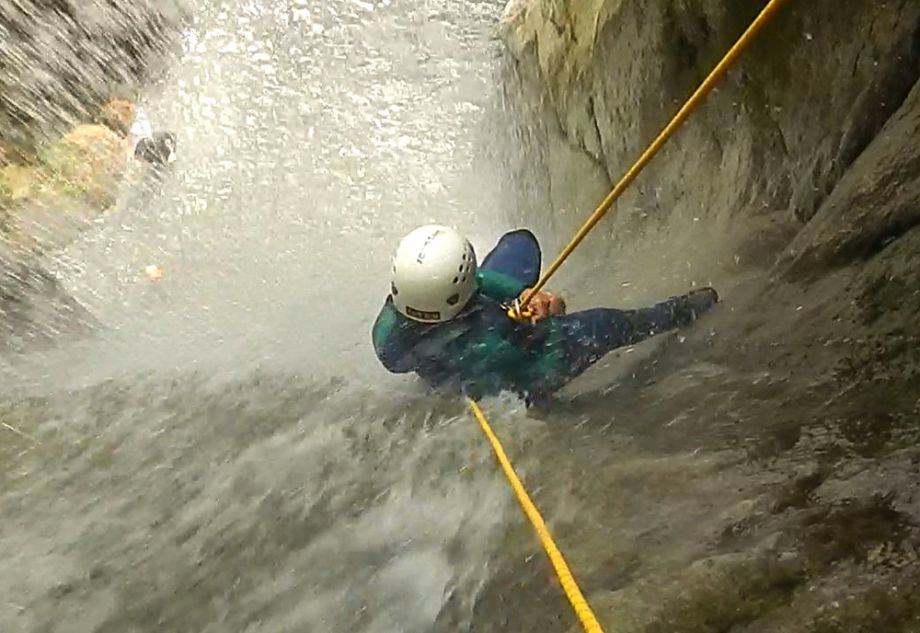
(581, 339)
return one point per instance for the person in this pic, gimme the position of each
(158, 148)
(446, 319)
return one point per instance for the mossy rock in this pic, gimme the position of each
(72, 180)
(17, 184)
(6, 192)
(89, 163)
(117, 115)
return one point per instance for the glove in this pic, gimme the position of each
(544, 304)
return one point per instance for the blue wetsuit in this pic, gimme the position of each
(482, 351)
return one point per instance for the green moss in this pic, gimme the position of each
(87, 164)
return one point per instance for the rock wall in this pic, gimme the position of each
(757, 161)
(758, 472)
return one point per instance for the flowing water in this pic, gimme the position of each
(227, 455)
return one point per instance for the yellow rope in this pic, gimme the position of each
(772, 7)
(572, 592)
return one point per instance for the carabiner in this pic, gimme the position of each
(516, 312)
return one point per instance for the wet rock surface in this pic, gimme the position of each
(770, 144)
(34, 309)
(60, 62)
(44, 205)
(779, 486)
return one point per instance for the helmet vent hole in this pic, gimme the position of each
(456, 279)
(394, 290)
(460, 269)
(453, 299)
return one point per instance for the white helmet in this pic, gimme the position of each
(434, 274)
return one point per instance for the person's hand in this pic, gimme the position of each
(544, 304)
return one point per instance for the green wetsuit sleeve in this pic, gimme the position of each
(391, 344)
(499, 286)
